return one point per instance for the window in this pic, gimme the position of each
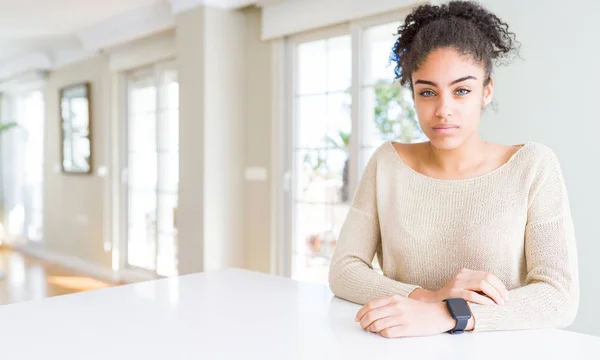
(322, 101)
(344, 104)
(153, 169)
(23, 165)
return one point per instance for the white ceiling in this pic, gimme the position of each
(52, 27)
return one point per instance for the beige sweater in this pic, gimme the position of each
(514, 222)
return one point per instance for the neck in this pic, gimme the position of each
(464, 157)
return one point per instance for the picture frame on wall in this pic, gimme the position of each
(76, 136)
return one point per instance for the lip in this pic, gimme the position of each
(445, 129)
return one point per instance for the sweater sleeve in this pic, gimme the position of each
(351, 275)
(550, 296)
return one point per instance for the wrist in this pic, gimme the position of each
(447, 322)
(424, 295)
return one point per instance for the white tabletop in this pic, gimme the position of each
(237, 314)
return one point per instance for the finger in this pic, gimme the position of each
(375, 304)
(498, 284)
(476, 298)
(375, 315)
(394, 332)
(490, 291)
(382, 324)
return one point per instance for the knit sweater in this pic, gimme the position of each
(514, 222)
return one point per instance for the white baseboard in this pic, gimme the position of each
(71, 262)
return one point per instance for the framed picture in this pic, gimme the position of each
(76, 139)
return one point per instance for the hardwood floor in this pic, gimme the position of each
(24, 278)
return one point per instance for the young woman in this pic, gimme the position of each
(470, 235)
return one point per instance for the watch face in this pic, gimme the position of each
(459, 308)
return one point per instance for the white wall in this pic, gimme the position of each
(549, 97)
(225, 138)
(258, 145)
(74, 204)
(212, 75)
(190, 65)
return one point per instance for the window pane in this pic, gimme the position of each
(378, 42)
(170, 90)
(167, 255)
(141, 247)
(339, 63)
(142, 208)
(166, 213)
(322, 176)
(142, 132)
(311, 123)
(141, 241)
(153, 144)
(312, 67)
(23, 169)
(388, 114)
(143, 170)
(316, 232)
(339, 120)
(169, 172)
(168, 139)
(142, 95)
(322, 130)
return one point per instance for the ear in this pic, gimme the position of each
(488, 92)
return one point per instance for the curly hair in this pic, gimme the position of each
(464, 26)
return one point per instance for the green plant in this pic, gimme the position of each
(394, 114)
(395, 118)
(4, 127)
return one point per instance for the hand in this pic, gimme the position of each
(475, 286)
(398, 316)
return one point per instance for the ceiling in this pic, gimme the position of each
(51, 28)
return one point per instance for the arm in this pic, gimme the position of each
(550, 296)
(351, 276)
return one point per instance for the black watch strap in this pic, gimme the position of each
(461, 325)
(460, 312)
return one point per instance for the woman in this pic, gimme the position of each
(457, 217)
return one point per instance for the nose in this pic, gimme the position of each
(444, 107)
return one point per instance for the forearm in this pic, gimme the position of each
(352, 279)
(534, 306)
(432, 296)
(351, 276)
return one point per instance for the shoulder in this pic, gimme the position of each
(391, 151)
(539, 155)
(542, 161)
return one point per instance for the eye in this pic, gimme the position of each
(427, 93)
(462, 91)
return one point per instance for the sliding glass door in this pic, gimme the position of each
(152, 168)
(344, 103)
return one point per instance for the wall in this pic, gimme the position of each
(548, 97)
(210, 53)
(74, 204)
(258, 145)
(225, 143)
(190, 63)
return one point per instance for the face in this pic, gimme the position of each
(449, 97)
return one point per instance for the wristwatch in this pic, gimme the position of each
(460, 311)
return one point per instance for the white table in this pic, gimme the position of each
(237, 314)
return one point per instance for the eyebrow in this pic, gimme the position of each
(427, 82)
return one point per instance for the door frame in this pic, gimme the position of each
(121, 257)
